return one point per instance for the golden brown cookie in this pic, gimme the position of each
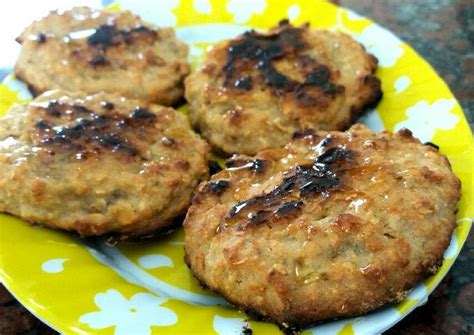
(335, 224)
(92, 51)
(98, 164)
(254, 91)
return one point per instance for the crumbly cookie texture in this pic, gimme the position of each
(92, 51)
(98, 164)
(333, 225)
(253, 92)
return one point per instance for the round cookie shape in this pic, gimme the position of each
(254, 91)
(88, 50)
(98, 164)
(335, 224)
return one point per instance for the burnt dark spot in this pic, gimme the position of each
(332, 89)
(320, 177)
(99, 119)
(83, 122)
(48, 140)
(253, 48)
(318, 77)
(326, 141)
(143, 114)
(54, 109)
(306, 180)
(235, 162)
(431, 144)
(107, 105)
(214, 167)
(104, 35)
(239, 206)
(260, 51)
(289, 208)
(168, 141)
(317, 177)
(256, 218)
(287, 329)
(332, 155)
(77, 127)
(303, 133)
(318, 181)
(41, 38)
(246, 330)
(143, 29)
(98, 60)
(218, 187)
(258, 165)
(235, 116)
(115, 142)
(276, 79)
(304, 98)
(110, 140)
(68, 133)
(42, 124)
(244, 83)
(404, 132)
(127, 37)
(90, 131)
(81, 109)
(108, 35)
(183, 164)
(324, 276)
(123, 123)
(139, 30)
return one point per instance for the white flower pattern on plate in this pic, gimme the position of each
(228, 326)
(134, 316)
(387, 52)
(244, 9)
(202, 6)
(293, 12)
(154, 261)
(401, 84)
(55, 265)
(424, 119)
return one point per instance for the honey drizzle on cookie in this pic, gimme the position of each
(285, 200)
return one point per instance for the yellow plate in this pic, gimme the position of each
(80, 287)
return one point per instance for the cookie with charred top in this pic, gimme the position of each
(335, 224)
(98, 164)
(253, 92)
(91, 51)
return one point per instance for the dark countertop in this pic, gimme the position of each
(445, 37)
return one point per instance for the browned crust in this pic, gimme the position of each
(35, 91)
(297, 323)
(100, 164)
(296, 314)
(254, 91)
(88, 60)
(372, 100)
